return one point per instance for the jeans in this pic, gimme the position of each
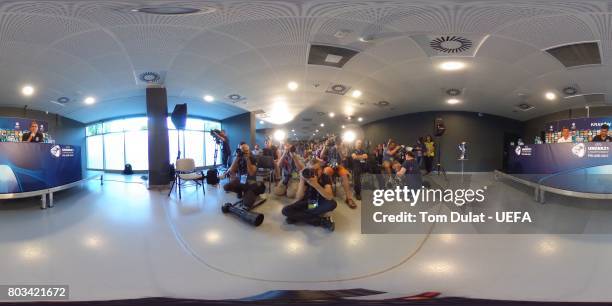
(299, 211)
(358, 170)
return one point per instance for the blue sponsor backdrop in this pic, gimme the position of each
(21, 124)
(29, 167)
(578, 124)
(555, 158)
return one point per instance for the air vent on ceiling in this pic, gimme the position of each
(451, 44)
(61, 101)
(307, 119)
(173, 10)
(338, 89)
(570, 90)
(382, 103)
(330, 56)
(577, 54)
(149, 77)
(453, 92)
(236, 98)
(525, 107)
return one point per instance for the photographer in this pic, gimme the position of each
(391, 151)
(410, 172)
(360, 158)
(222, 139)
(332, 155)
(290, 165)
(315, 198)
(243, 164)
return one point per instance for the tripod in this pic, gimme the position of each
(439, 167)
(178, 156)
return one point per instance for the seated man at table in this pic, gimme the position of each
(603, 134)
(565, 136)
(33, 135)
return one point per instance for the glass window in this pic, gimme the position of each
(113, 126)
(195, 124)
(137, 149)
(112, 144)
(94, 129)
(194, 146)
(135, 124)
(114, 151)
(95, 157)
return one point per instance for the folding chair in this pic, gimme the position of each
(185, 172)
(266, 168)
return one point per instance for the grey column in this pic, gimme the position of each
(159, 160)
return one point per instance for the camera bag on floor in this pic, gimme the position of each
(212, 177)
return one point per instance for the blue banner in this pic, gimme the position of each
(28, 167)
(555, 158)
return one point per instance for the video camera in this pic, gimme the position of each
(215, 134)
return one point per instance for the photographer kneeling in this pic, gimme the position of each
(244, 163)
(315, 199)
(290, 165)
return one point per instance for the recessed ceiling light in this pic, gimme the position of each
(550, 95)
(261, 122)
(360, 119)
(452, 66)
(316, 131)
(452, 101)
(356, 93)
(292, 86)
(343, 126)
(322, 124)
(209, 98)
(90, 100)
(27, 90)
(332, 115)
(293, 131)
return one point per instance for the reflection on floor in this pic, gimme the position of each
(121, 240)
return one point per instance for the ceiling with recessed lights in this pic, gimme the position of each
(373, 59)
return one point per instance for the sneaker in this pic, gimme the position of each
(328, 224)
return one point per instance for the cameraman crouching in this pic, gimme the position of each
(244, 163)
(315, 198)
(290, 165)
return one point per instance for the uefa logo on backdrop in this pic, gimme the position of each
(56, 151)
(518, 150)
(579, 150)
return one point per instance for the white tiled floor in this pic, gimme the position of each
(122, 241)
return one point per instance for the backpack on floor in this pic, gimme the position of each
(127, 170)
(212, 177)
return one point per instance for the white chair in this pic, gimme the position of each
(186, 172)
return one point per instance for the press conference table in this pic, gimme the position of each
(38, 169)
(584, 168)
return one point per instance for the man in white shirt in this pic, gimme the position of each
(565, 136)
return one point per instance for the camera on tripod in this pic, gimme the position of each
(215, 134)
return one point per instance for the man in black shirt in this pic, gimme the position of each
(360, 159)
(315, 198)
(243, 164)
(603, 134)
(410, 172)
(226, 151)
(33, 135)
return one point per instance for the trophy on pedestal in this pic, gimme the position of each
(462, 150)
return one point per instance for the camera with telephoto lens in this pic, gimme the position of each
(402, 152)
(239, 153)
(215, 134)
(308, 173)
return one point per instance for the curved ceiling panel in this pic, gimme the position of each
(254, 48)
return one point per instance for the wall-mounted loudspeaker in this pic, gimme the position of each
(179, 116)
(439, 127)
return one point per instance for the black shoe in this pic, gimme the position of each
(358, 197)
(328, 224)
(290, 221)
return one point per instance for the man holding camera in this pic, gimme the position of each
(290, 165)
(332, 155)
(243, 164)
(226, 151)
(315, 199)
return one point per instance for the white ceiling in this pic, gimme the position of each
(254, 48)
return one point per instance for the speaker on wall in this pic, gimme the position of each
(179, 116)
